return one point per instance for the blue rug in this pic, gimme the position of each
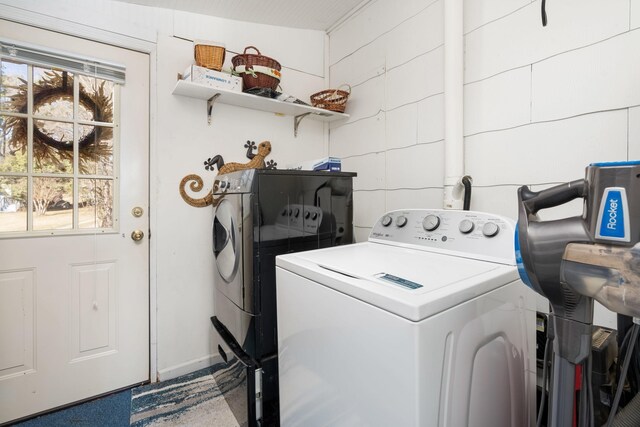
(192, 400)
(113, 411)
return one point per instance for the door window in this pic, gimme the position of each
(58, 150)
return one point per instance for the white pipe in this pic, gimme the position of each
(453, 103)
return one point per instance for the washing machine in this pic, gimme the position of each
(261, 214)
(425, 324)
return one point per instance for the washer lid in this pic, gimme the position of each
(410, 283)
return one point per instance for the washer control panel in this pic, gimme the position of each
(474, 234)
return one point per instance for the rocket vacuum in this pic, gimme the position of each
(574, 261)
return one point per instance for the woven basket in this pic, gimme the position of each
(256, 70)
(331, 99)
(209, 54)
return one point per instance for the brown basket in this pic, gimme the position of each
(209, 54)
(331, 99)
(257, 70)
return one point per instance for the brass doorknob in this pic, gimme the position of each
(137, 235)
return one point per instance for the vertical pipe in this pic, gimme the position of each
(453, 102)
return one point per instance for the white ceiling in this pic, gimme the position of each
(308, 14)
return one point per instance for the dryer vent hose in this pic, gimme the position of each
(466, 181)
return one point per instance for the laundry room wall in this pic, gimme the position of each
(391, 53)
(540, 103)
(182, 262)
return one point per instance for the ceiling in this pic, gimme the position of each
(308, 14)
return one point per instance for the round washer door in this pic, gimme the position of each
(225, 241)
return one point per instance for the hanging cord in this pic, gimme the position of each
(543, 394)
(623, 374)
(544, 13)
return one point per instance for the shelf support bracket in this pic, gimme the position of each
(210, 103)
(296, 122)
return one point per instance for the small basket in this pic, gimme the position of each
(209, 54)
(257, 70)
(332, 99)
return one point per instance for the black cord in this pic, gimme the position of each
(544, 13)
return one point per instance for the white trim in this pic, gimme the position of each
(188, 367)
(153, 218)
(71, 28)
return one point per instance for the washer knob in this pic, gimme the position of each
(401, 221)
(490, 229)
(386, 221)
(307, 214)
(466, 226)
(296, 212)
(314, 216)
(431, 222)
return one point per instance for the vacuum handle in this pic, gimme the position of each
(554, 196)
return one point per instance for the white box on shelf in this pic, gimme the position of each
(331, 164)
(212, 78)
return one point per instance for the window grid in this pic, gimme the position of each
(76, 175)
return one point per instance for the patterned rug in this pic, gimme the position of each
(194, 400)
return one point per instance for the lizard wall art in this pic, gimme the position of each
(256, 161)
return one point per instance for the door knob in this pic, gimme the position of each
(137, 235)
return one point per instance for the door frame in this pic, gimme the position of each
(148, 47)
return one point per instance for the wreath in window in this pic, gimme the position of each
(51, 146)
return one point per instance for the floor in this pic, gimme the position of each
(113, 410)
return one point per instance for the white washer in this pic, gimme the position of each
(426, 324)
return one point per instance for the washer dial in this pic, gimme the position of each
(431, 222)
(490, 229)
(386, 221)
(466, 226)
(401, 221)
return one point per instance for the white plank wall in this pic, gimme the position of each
(541, 103)
(391, 54)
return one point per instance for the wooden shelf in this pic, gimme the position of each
(254, 102)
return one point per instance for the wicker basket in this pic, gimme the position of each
(256, 70)
(209, 54)
(332, 99)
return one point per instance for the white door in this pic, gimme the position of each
(74, 285)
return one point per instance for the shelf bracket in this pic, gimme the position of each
(296, 122)
(210, 103)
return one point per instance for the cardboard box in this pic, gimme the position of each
(331, 164)
(217, 79)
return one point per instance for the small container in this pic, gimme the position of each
(332, 99)
(209, 54)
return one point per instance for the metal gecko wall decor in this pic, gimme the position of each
(256, 161)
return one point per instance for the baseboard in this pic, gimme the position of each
(188, 367)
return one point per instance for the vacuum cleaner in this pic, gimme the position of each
(574, 261)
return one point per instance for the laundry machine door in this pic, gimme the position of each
(227, 247)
